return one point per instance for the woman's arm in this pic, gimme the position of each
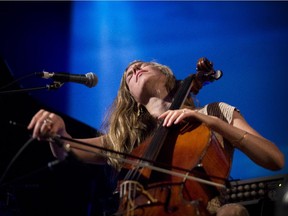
(84, 153)
(47, 125)
(239, 133)
(259, 149)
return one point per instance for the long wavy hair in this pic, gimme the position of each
(127, 123)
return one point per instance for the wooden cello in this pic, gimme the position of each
(182, 167)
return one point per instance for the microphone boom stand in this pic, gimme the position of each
(53, 86)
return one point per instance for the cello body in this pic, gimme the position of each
(196, 149)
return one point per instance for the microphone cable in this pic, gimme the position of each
(16, 81)
(15, 158)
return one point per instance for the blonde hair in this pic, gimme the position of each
(127, 123)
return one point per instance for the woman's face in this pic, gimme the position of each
(144, 80)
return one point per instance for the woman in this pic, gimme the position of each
(143, 101)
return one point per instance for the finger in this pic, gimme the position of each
(34, 119)
(42, 123)
(178, 116)
(47, 123)
(163, 115)
(38, 128)
(171, 117)
(167, 118)
(46, 128)
(181, 116)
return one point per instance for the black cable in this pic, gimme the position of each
(15, 158)
(16, 80)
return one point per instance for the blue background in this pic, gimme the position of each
(248, 41)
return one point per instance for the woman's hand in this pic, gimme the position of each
(46, 124)
(177, 116)
(174, 116)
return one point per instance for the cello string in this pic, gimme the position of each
(161, 133)
(151, 153)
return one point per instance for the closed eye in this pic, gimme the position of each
(129, 75)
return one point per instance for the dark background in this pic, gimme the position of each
(247, 40)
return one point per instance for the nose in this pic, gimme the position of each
(136, 68)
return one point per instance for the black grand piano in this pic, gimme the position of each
(32, 184)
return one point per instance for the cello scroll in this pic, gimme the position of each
(205, 74)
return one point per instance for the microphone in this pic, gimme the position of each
(89, 79)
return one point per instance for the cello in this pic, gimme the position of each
(181, 167)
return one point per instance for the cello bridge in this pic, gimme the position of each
(130, 190)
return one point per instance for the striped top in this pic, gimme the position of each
(221, 110)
